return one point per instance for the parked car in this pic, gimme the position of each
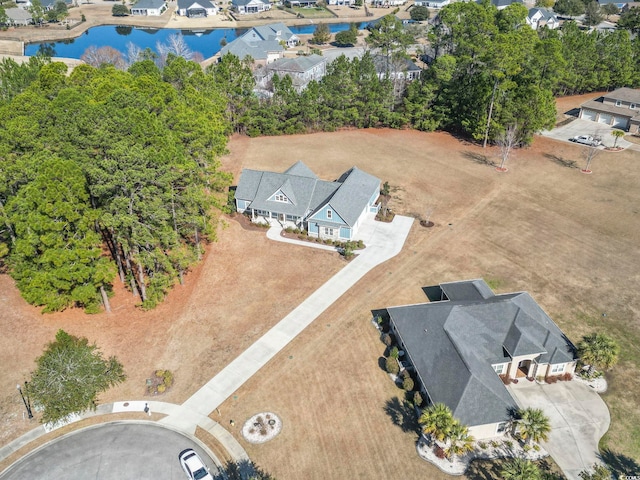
(586, 140)
(193, 465)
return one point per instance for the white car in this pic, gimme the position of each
(193, 465)
(586, 140)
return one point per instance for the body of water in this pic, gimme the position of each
(205, 42)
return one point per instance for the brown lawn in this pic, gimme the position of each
(567, 238)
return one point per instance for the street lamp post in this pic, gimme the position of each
(25, 400)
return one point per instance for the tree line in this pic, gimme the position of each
(107, 176)
(111, 173)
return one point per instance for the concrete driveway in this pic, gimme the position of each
(579, 418)
(586, 127)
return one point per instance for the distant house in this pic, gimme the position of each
(262, 52)
(542, 17)
(628, 6)
(149, 7)
(502, 4)
(387, 3)
(273, 31)
(342, 2)
(196, 8)
(618, 3)
(396, 69)
(18, 16)
(619, 109)
(301, 3)
(297, 198)
(49, 4)
(432, 3)
(302, 70)
(459, 345)
(244, 7)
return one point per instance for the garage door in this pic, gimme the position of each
(605, 118)
(620, 122)
(589, 115)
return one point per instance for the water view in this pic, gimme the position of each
(205, 42)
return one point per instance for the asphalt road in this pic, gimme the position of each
(113, 451)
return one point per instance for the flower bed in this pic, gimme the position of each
(262, 427)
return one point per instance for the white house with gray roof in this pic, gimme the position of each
(244, 7)
(298, 198)
(460, 345)
(302, 70)
(149, 7)
(196, 8)
(18, 16)
(542, 17)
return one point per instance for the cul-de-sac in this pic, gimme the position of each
(319, 240)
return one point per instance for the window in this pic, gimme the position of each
(632, 106)
(502, 427)
(618, 103)
(281, 198)
(500, 369)
(328, 231)
(557, 368)
(329, 214)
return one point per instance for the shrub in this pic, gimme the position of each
(392, 366)
(526, 447)
(509, 444)
(161, 388)
(439, 451)
(482, 445)
(494, 443)
(168, 378)
(567, 377)
(387, 340)
(417, 399)
(551, 379)
(419, 14)
(394, 353)
(119, 10)
(536, 447)
(408, 384)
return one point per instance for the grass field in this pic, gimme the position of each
(567, 238)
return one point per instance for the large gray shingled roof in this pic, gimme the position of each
(453, 344)
(348, 196)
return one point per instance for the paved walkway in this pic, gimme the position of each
(383, 241)
(579, 418)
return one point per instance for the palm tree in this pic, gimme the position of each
(598, 349)
(534, 425)
(617, 134)
(460, 442)
(437, 420)
(520, 469)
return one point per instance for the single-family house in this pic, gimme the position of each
(460, 344)
(278, 32)
(342, 2)
(619, 109)
(432, 3)
(396, 68)
(149, 7)
(244, 7)
(629, 5)
(18, 16)
(618, 3)
(301, 69)
(298, 198)
(502, 4)
(542, 17)
(196, 8)
(301, 3)
(50, 4)
(262, 52)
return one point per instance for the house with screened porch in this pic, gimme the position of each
(298, 198)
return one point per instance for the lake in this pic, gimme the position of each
(205, 42)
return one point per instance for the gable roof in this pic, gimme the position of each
(348, 196)
(244, 3)
(625, 94)
(453, 344)
(188, 4)
(296, 64)
(542, 14)
(257, 50)
(148, 4)
(18, 14)
(273, 31)
(395, 65)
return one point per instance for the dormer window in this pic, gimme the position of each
(281, 198)
(632, 106)
(329, 214)
(618, 103)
